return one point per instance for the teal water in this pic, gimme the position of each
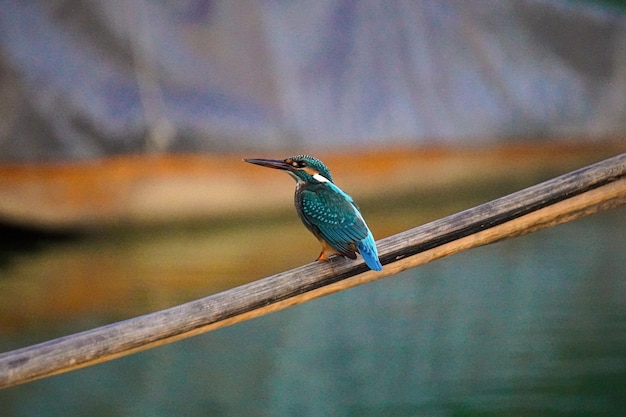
(534, 326)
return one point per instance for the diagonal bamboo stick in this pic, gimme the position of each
(580, 193)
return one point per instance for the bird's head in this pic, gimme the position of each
(303, 168)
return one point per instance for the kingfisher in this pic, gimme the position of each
(326, 210)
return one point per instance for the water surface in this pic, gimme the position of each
(535, 326)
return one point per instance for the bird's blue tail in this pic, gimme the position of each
(367, 249)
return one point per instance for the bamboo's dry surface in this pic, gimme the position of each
(586, 191)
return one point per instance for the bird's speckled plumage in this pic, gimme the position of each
(328, 212)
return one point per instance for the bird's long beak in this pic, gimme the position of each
(271, 163)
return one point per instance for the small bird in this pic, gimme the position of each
(328, 212)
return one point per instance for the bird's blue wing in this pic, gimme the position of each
(333, 214)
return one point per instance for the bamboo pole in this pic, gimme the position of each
(580, 193)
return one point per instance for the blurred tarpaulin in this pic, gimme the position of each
(84, 79)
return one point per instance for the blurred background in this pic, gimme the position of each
(122, 192)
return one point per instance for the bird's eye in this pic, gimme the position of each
(296, 164)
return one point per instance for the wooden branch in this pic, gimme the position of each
(577, 194)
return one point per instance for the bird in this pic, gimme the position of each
(326, 210)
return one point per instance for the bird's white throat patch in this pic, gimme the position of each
(319, 177)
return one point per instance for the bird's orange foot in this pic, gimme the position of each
(323, 257)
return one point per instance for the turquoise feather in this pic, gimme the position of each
(332, 215)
